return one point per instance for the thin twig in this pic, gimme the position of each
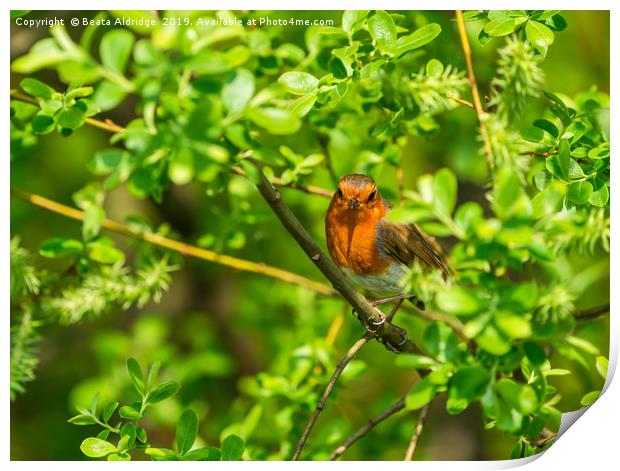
(474, 90)
(595, 312)
(460, 101)
(394, 338)
(417, 432)
(182, 248)
(390, 411)
(342, 364)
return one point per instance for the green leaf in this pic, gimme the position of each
(500, 26)
(60, 247)
(103, 251)
(421, 394)
(181, 168)
(96, 447)
(232, 448)
(275, 121)
(579, 192)
(457, 300)
(547, 126)
(599, 152)
(163, 391)
(493, 341)
(513, 325)
(418, 38)
(539, 35)
(352, 20)
(298, 83)
(414, 361)
(534, 352)
(106, 161)
(115, 49)
(302, 105)
(465, 386)
(36, 88)
(382, 28)
(203, 454)
(71, 118)
(187, 428)
(161, 453)
(128, 412)
(434, 68)
(108, 410)
(238, 90)
(600, 193)
(532, 133)
(444, 190)
(93, 218)
(42, 123)
(602, 365)
(135, 373)
(590, 398)
(564, 157)
(82, 419)
(520, 396)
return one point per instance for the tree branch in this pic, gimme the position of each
(390, 411)
(474, 90)
(342, 364)
(394, 338)
(417, 432)
(594, 313)
(311, 189)
(182, 248)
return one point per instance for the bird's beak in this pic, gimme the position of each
(353, 203)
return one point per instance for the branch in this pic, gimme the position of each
(460, 101)
(417, 432)
(342, 364)
(394, 338)
(594, 313)
(390, 411)
(474, 90)
(311, 189)
(180, 247)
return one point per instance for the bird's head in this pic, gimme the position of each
(357, 191)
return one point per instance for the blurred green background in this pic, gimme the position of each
(215, 330)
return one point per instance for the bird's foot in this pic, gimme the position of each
(371, 326)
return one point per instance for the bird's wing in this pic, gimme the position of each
(407, 244)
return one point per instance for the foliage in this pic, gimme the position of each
(201, 103)
(132, 436)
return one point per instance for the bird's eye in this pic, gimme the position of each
(372, 196)
(340, 193)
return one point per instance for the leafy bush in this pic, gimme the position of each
(216, 107)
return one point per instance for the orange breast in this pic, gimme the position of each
(351, 239)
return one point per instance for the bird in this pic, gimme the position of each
(371, 250)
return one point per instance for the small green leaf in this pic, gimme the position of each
(383, 31)
(82, 419)
(418, 38)
(520, 396)
(115, 49)
(237, 90)
(457, 300)
(600, 193)
(42, 123)
(590, 398)
(434, 68)
(203, 454)
(103, 251)
(534, 352)
(352, 20)
(602, 365)
(135, 373)
(579, 192)
(70, 118)
(96, 447)
(232, 448)
(421, 394)
(500, 26)
(275, 121)
(414, 361)
(36, 88)
(187, 428)
(163, 391)
(60, 247)
(298, 83)
(128, 412)
(513, 325)
(444, 190)
(547, 126)
(108, 410)
(539, 35)
(465, 386)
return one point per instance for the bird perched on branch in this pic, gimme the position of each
(371, 250)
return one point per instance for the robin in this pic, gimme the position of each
(372, 251)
